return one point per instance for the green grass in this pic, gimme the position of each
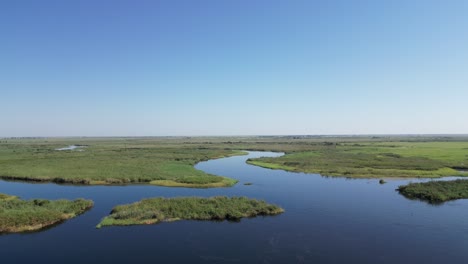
(18, 215)
(155, 210)
(6, 197)
(169, 161)
(436, 191)
(112, 161)
(225, 182)
(376, 159)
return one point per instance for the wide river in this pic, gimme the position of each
(327, 220)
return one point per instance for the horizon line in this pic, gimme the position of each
(253, 135)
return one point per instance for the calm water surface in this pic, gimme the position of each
(327, 220)
(71, 147)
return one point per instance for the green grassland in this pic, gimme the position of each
(18, 215)
(372, 159)
(111, 161)
(155, 210)
(436, 191)
(169, 161)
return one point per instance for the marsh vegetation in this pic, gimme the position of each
(169, 161)
(17, 215)
(155, 210)
(111, 161)
(370, 159)
(436, 191)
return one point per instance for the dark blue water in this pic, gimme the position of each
(327, 220)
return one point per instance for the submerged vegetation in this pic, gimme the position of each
(436, 191)
(18, 215)
(155, 210)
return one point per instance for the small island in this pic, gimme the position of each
(17, 215)
(436, 191)
(155, 210)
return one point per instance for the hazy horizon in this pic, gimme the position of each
(246, 136)
(183, 68)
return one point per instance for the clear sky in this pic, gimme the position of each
(244, 67)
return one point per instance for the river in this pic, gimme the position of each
(327, 220)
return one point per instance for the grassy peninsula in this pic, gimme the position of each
(377, 159)
(18, 215)
(436, 191)
(155, 210)
(6, 197)
(158, 161)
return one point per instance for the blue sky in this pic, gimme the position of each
(246, 67)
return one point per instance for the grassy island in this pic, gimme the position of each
(155, 210)
(436, 191)
(107, 161)
(18, 215)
